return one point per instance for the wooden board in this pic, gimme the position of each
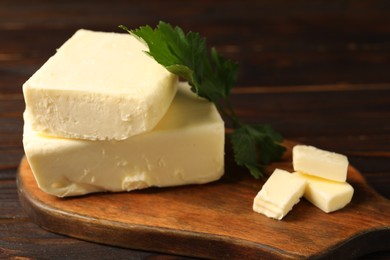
(214, 220)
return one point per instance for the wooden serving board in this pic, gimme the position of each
(214, 220)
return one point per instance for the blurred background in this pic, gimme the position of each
(277, 43)
(317, 71)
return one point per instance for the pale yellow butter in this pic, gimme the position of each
(320, 163)
(99, 86)
(279, 194)
(326, 194)
(186, 147)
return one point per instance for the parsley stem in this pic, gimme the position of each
(233, 116)
(227, 110)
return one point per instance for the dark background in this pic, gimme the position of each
(320, 71)
(277, 43)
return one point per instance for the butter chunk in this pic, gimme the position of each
(98, 86)
(320, 163)
(326, 194)
(279, 194)
(186, 147)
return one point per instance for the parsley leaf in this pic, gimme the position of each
(211, 76)
(244, 147)
(252, 143)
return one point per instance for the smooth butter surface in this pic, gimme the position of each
(186, 147)
(279, 194)
(326, 194)
(320, 163)
(98, 86)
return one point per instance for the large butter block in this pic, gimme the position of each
(98, 86)
(326, 194)
(320, 163)
(279, 194)
(186, 147)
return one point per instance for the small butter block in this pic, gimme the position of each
(320, 163)
(279, 194)
(186, 147)
(99, 86)
(326, 194)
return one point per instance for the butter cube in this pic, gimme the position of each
(279, 194)
(326, 194)
(320, 163)
(98, 86)
(186, 147)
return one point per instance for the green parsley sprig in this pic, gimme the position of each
(211, 76)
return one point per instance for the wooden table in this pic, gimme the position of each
(318, 71)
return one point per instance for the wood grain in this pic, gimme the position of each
(214, 220)
(277, 43)
(290, 55)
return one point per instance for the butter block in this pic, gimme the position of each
(98, 86)
(325, 194)
(279, 194)
(313, 161)
(186, 147)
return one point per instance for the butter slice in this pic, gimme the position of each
(320, 163)
(279, 194)
(186, 147)
(99, 86)
(326, 194)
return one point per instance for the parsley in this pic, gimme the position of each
(212, 77)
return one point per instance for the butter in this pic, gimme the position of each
(186, 147)
(98, 86)
(279, 194)
(320, 163)
(325, 194)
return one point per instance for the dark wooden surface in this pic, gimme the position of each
(322, 69)
(215, 220)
